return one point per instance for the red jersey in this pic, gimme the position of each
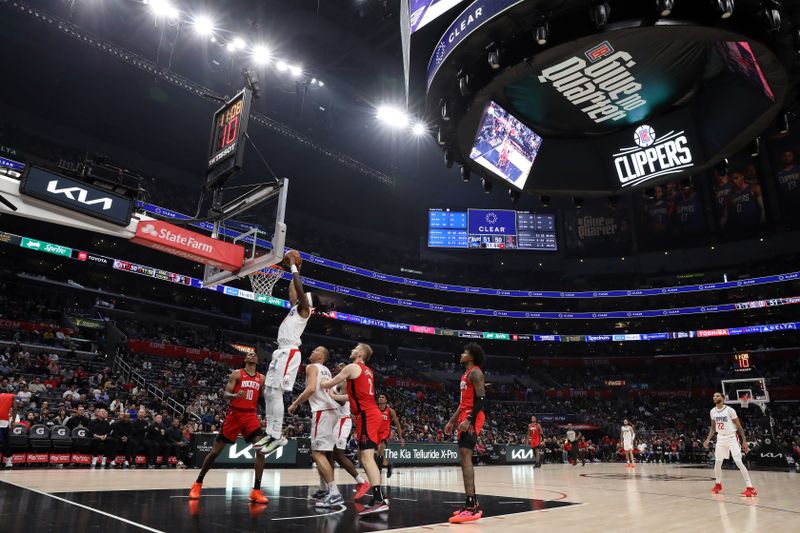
(6, 403)
(387, 419)
(361, 391)
(536, 434)
(251, 385)
(467, 401)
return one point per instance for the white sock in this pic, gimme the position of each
(360, 479)
(743, 470)
(332, 488)
(323, 485)
(94, 461)
(718, 471)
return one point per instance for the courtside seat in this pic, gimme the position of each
(18, 442)
(81, 440)
(39, 439)
(61, 439)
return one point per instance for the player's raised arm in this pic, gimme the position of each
(312, 372)
(297, 295)
(351, 371)
(233, 378)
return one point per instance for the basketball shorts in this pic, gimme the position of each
(283, 368)
(627, 445)
(535, 443)
(368, 424)
(236, 422)
(343, 429)
(468, 439)
(727, 446)
(385, 431)
(324, 425)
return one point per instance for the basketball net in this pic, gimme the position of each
(264, 280)
(745, 401)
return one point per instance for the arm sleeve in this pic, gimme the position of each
(477, 408)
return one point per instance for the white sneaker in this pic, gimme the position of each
(260, 443)
(274, 445)
(330, 501)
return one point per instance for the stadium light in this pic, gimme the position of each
(238, 43)
(203, 25)
(261, 55)
(281, 66)
(599, 13)
(162, 8)
(487, 185)
(665, 7)
(230, 47)
(542, 33)
(448, 158)
(493, 56)
(725, 8)
(394, 116)
(295, 71)
(514, 195)
(577, 202)
(319, 82)
(418, 129)
(545, 200)
(465, 173)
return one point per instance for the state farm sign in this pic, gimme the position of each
(179, 241)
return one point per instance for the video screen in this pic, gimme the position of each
(493, 229)
(425, 11)
(505, 146)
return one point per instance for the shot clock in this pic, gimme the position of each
(226, 146)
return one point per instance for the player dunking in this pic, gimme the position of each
(324, 423)
(470, 418)
(389, 417)
(361, 394)
(285, 361)
(535, 436)
(725, 424)
(244, 389)
(626, 437)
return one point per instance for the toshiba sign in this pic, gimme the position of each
(179, 241)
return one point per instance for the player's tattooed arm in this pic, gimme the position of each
(742, 437)
(228, 394)
(711, 434)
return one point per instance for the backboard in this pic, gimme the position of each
(262, 250)
(746, 391)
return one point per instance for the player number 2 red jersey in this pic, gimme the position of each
(251, 385)
(467, 401)
(362, 391)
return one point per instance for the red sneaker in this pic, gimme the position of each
(257, 496)
(194, 494)
(749, 492)
(362, 489)
(717, 489)
(468, 514)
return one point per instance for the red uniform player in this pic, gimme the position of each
(535, 436)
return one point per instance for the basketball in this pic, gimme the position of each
(295, 256)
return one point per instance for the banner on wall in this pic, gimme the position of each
(675, 213)
(182, 352)
(407, 383)
(738, 197)
(423, 454)
(785, 164)
(600, 227)
(33, 327)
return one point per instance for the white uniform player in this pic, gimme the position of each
(725, 425)
(627, 434)
(345, 425)
(324, 414)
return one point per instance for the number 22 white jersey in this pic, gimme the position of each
(723, 420)
(291, 329)
(627, 433)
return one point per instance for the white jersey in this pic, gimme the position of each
(627, 433)
(321, 400)
(723, 420)
(291, 329)
(344, 409)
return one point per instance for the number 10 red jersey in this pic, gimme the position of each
(251, 385)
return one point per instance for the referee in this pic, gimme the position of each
(572, 439)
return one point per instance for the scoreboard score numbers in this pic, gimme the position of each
(226, 146)
(741, 362)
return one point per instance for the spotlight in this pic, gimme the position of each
(394, 116)
(544, 200)
(203, 25)
(755, 147)
(162, 8)
(464, 83)
(230, 47)
(578, 202)
(487, 185)
(319, 82)
(785, 128)
(251, 81)
(281, 66)
(665, 7)
(721, 168)
(418, 129)
(599, 13)
(238, 43)
(441, 139)
(649, 193)
(514, 195)
(542, 33)
(725, 8)
(295, 71)
(686, 184)
(261, 55)
(447, 109)
(493, 56)
(465, 174)
(772, 16)
(448, 158)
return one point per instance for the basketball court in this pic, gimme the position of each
(515, 498)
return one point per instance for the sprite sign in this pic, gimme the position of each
(42, 246)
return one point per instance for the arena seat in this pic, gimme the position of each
(60, 439)
(81, 440)
(39, 438)
(18, 441)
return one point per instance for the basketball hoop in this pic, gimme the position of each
(264, 280)
(744, 401)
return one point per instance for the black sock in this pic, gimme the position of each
(257, 483)
(377, 494)
(200, 477)
(471, 501)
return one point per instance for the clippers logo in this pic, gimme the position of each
(599, 52)
(604, 90)
(83, 195)
(652, 157)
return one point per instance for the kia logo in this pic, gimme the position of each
(83, 194)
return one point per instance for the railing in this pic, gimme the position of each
(129, 374)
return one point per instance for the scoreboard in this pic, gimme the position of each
(498, 229)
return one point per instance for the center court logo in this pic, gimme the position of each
(652, 156)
